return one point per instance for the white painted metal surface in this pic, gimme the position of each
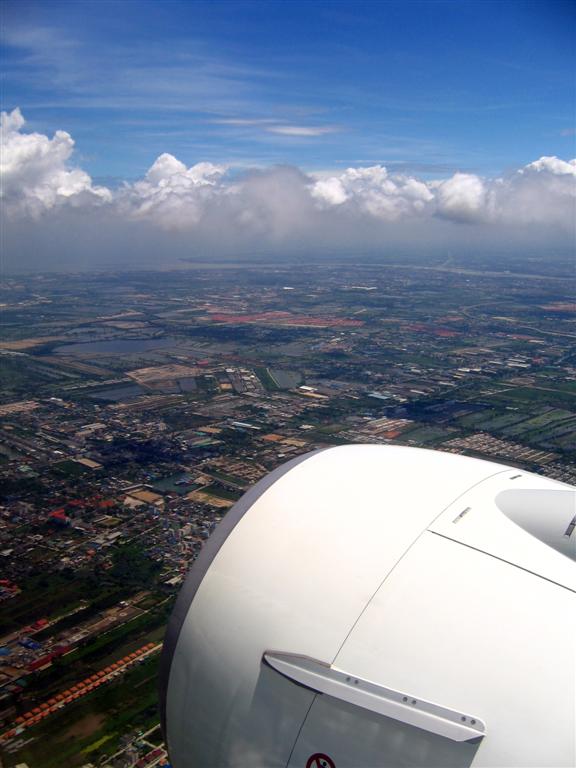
(395, 565)
(468, 630)
(479, 520)
(548, 514)
(398, 705)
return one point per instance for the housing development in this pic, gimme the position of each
(137, 407)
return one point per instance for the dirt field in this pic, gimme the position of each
(28, 343)
(86, 726)
(163, 373)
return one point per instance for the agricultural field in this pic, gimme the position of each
(545, 426)
(113, 478)
(538, 395)
(427, 435)
(92, 728)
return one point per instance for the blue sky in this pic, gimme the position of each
(425, 87)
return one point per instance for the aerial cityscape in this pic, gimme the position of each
(233, 233)
(137, 407)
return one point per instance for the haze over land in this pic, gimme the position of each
(206, 207)
(138, 140)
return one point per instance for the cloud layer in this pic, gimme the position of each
(208, 204)
(34, 171)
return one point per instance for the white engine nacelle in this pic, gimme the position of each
(376, 606)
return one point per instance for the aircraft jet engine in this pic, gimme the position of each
(373, 606)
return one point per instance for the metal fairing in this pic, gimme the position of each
(198, 571)
(384, 607)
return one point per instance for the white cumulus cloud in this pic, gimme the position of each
(553, 165)
(211, 205)
(373, 191)
(464, 197)
(172, 194)
(541, 193)
(34, 170)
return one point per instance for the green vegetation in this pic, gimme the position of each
(285, 379)
(131, 566)
(538, 425)
(427, 435)
(478, 419)
(44, 596)
(232, 479)
(207, 385)
(70, 469)
(95, 654)
(92, 727)
(21, 377)
(397, 352)
(222, 493)
(14, 374)
(331, 429)
(498, 421)
(97, 648)
(539, 422)
(266, 379)
(19, 486)
(553, 397)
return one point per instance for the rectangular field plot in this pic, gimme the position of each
(537, 395)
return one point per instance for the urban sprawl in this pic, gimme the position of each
(136, 408)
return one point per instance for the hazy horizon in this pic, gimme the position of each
(156, 132)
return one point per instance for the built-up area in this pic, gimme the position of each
(137, 407)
